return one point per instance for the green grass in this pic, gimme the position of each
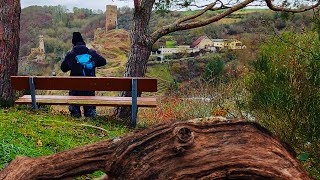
(163, 75)
(37, 133)
(160, 71)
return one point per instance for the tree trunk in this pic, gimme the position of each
(9, 47)
(140, 49)
(197, 149)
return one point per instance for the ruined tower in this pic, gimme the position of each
(38, 53)
(111, 17)
(41, 44)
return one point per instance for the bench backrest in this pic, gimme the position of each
(84, 83)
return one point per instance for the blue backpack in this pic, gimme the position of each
(86, 63)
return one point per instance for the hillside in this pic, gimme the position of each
(57, 24)
(116, 52)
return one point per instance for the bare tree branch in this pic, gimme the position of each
(276, 8)
(184, 26)
(204, 5)
(199, 6)
(210, 6)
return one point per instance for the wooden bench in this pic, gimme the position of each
(135, 85)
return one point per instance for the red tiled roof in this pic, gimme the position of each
(196, 42)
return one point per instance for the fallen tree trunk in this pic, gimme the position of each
(182, 150)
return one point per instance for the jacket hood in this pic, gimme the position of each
(80, 49)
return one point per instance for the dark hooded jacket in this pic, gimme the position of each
(70, 62)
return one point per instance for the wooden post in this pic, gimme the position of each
(33, 93)
(134, 102)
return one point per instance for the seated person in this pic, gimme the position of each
(82, 61)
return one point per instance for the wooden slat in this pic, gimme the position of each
(84, 83)
(87, 100)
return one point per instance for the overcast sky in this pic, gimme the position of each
(97, 4)
(90, 4)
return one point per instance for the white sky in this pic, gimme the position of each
(99, 4)
(90, 4)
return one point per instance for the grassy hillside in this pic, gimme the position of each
(116, 52)
(56, 23)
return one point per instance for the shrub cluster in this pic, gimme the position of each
(284, 90)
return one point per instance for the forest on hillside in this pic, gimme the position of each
(57, 23)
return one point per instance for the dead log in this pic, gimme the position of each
(183, 150)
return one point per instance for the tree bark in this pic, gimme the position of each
(9, 47)
(140, 49)
(202, 149)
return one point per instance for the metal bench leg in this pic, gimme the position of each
(33, 93)
(134, 103)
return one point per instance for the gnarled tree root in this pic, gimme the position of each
(183, 150)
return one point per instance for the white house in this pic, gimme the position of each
(178, 49)
(220, 43)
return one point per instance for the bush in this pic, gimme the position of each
(284, 90)
(214, 70)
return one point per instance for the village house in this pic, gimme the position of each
(236, 44)
(228, 43)
(178, 49)
(220, 43)
(203, 42)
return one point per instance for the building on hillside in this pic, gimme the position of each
(228, 43)
(111, 17)
(203, 42)
(41, 44)
(177, 49)
(220, 43)
(39, 52)
(164, 50)
(236, 44)
(174, 50)
(203, 45)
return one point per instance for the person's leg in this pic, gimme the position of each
(90, 111)
(74, 110)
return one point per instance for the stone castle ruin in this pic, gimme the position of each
(111, 22)
(111, 17)
(38, 53)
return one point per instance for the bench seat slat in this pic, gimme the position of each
(88, 100)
